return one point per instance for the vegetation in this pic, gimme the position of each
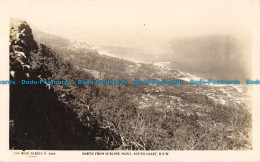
(189, 121)
(143, 117)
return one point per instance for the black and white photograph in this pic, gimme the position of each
(129, 77)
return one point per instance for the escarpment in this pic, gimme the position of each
(21, 45)
(40, 118)
(77, 116)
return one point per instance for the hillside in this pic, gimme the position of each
(39, 116)
(157, 117)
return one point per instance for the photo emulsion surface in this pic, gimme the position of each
(128, 82)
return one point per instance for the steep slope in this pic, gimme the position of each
(38, 119)
(173, 117)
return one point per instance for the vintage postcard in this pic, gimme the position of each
(128, 80)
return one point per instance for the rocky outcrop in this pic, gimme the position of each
(40, 117)
(21, 45)
(38, 120)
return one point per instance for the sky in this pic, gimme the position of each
(136, 24)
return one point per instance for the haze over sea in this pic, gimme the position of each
(217, 57)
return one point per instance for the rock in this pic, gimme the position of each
(12, 73)
(20, 54)
(17, 48)
(26, 68)
(27, 75)
(23, 31)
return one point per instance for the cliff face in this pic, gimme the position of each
(21, 44)
(38, 120)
